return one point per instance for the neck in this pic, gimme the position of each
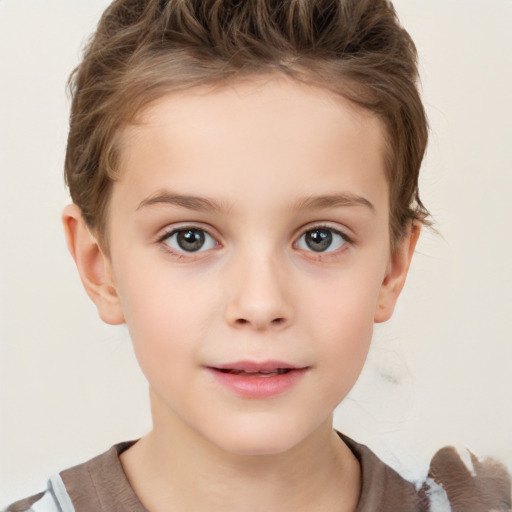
(176, 469)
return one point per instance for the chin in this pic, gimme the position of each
(259, 439)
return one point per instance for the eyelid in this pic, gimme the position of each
(331, 226)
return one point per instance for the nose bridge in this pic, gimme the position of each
(258, 296)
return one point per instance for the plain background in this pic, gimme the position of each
(438, 373)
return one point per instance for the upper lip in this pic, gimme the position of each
(257, 366)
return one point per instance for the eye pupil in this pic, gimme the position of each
(190, 239)
(318, 240)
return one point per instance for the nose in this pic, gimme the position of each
(258, 295)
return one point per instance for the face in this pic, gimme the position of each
(249, 256)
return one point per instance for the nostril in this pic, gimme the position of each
(275, 321)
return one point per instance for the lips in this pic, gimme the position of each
(258, 379)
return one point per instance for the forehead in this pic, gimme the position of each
(256, 136)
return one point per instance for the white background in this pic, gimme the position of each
(438, 373)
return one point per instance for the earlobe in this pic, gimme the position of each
(396, 274)
(93, 265)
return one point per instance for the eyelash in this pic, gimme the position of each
(182, 253)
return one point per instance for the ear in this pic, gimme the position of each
(396, 273)
(93, 265)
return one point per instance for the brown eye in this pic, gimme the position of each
(190, 240)
(321, 240)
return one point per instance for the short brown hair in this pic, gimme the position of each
(143, 49)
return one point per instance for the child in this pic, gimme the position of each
(244, 179)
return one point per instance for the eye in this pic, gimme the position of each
(189, 240)
(322, 239)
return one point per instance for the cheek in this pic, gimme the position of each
(345, 302)
(157, 298)
(341, 321)
(165, 316)
(346, 326)
(168, 310)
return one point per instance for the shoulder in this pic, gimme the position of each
(54, 499)
(99, 484)
(382, 488)
(457, 481)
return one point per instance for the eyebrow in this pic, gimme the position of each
(204, 204)
(190, 202)
(333, 201)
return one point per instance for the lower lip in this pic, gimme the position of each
(251, 386)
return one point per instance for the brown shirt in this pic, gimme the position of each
(100, 485)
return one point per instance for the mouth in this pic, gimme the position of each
(262, 373)
(257, 369)
(258, 380)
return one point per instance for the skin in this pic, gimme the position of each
(273, 163)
